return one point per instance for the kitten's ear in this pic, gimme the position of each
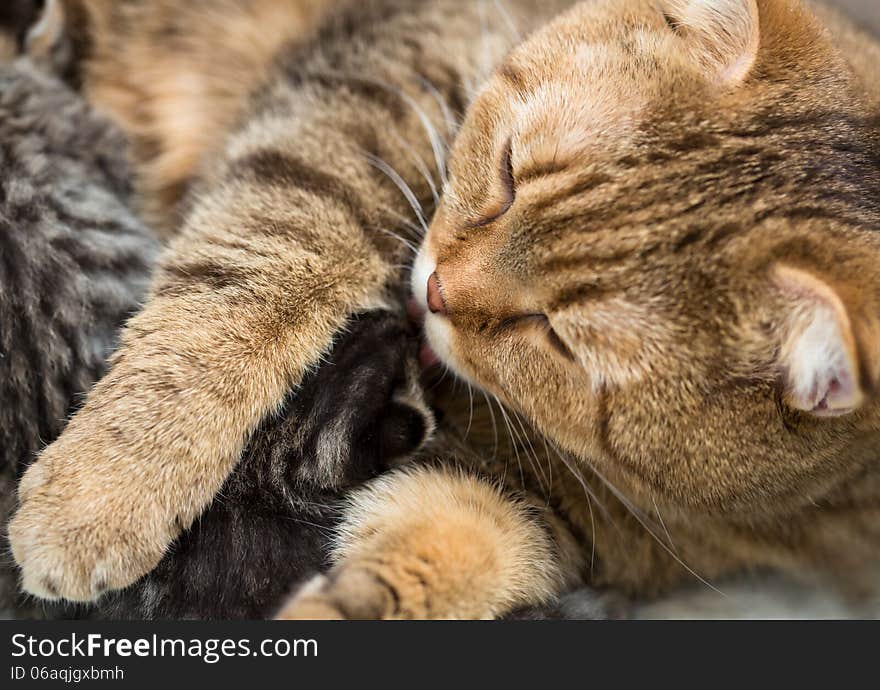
(830, 346)
(723, 35)
(48, 32)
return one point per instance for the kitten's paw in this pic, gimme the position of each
(343, 594)
(312, 603)
(81, 530)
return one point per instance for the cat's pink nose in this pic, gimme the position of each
(436, 303)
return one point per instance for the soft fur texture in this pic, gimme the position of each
(74, 265)
(357, 414)
(653, 217)
(650, 205)
(271, 524)
(249, 311)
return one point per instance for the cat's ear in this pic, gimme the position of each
(830, 345)
(48, 32)
(723, 35)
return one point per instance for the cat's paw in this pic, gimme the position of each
(83, 529)
(364, 409)
(342, 594)
(312, 603)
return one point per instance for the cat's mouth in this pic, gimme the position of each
(428, 359)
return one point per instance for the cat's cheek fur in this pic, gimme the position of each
(439, 336)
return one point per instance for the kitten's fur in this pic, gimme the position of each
(74, 264)
(271, 524)
(709, 423)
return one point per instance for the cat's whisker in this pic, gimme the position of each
(322, 528)
(549, 466)
(494, 424)
(420, 165)
(401, 184)
(471, 415)
(540, 475)
(514, 439)
(413, 227)
(662, 523)
(438, 145)
(511, 24)
(452, 121)
(639, 515)
(405, 242)
(441, 379)
(591, 496)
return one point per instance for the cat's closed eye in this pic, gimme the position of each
(539, 323)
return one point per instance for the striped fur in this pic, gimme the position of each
(251, 291)
(270, 527)
(656, 194)
(642, 142)
(605, 260)
(74, 265)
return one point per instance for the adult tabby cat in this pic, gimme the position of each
(654, 214)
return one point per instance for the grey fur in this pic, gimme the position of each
(74, 264)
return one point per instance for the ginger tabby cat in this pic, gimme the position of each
(656, 244)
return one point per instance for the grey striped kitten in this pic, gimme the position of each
(74, 264)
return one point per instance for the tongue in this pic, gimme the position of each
(427, 357)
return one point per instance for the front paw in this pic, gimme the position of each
(312, 603)
(84, 527)
(347, 593)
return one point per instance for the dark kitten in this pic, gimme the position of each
(270, 526)
(74, 264)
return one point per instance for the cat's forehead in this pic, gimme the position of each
(582, 93)
(558, 123)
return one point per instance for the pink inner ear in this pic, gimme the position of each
(821, 366)
(819, 353)
(836, 398)
(724, 35)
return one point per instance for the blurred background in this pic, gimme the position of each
(866, 11)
